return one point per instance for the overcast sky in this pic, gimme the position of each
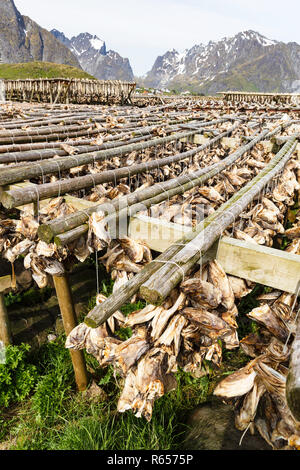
(143, 29)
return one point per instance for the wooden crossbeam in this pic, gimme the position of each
(257, 263)
(5, 283)
(261, 264)
(5, 329)
(78, 203)
(157, 233)
(200, 139)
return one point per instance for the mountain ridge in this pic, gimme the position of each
(94, 57)
(23, 40)
(247, 61)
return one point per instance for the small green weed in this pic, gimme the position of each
(17, 376)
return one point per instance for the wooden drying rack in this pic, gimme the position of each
(267, 266)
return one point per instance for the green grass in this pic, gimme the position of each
(57, 417)
(40, 70)
(32, 296)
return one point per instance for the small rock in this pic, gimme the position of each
(212, 428)
(95, 393)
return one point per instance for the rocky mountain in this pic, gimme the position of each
(94, 58)
(23, 40)
(247, 61)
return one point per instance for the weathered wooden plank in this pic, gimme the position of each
(200, 139)
(195, 139)
(31, 208)
(264, 265)
(79, 204)
(66, 305)
(5, 330)
(158, 234)
(5, 283)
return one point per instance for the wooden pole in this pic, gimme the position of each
(64, 297)
(293, 379)
(17, 197)
(5, 331)
(14, 175)
(48, 231)
(156, 289)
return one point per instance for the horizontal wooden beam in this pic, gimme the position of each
(5, 283)
(78, 203)
(200, 139)
(256, 263)
(261, 264)
(157, 233)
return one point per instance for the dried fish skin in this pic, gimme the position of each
(267, 216)
(129, 393)
(77, 338)
(294, 247)
(27, 226)
(129, 352)
(133, 249)
(270, 297)
(238, 286)
(124, 264)
(21, 248)
(141, 316)
(265, 316)
(172, 334)
(97, 227)
(294, 441)
(91, 339)
(237, 384)
(273, 380)
(95, 343)
(81, 250)
(162, 316)
(213, 353)
(263, 430)
(241, 235)
(293, 233)
(45, 249)
(193, 364)
(203, 293)
(146, 384)
(247, 412)
(277, 351)
(254, 345)
(121, 278)
(231, 340)
(111, 256)
(209, 323)
(115, 319)
(210, 193)
(54, 268)
(220, 280)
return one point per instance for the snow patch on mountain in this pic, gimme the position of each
(205, 62)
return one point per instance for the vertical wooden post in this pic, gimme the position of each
(64, 297)
(293, 378)
(298, 171)
(5, 331)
